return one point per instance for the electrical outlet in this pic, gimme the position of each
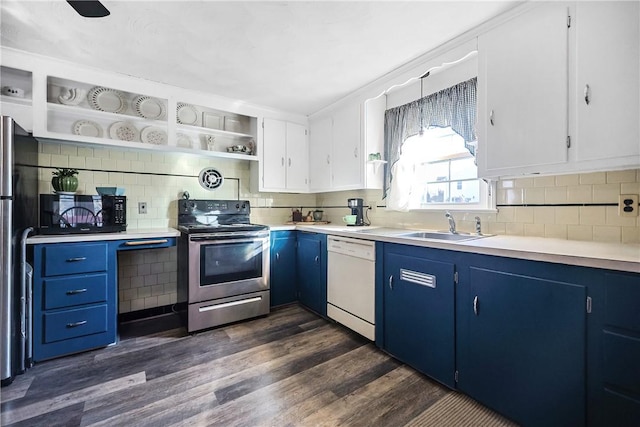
(372, 205)
(628, 205)
(142, 207)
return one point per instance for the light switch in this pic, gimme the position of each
(628, 205)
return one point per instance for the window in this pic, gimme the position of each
(441, 170)
(430, 144)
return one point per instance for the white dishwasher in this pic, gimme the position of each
(351, 283)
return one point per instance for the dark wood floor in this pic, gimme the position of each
(289, 368)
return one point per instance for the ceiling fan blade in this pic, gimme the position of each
(89, 8)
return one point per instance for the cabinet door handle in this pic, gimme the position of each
(475, 305)
(328, 160)
(491, 118)
(586, 94)
(391, 282)
(355, 152)
(76, 324)
(282, 161)
(277, 256)
(76, 291)
(317, 259)
(289, 161)
(76, 259)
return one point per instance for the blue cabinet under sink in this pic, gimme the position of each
(283, 272)
(311, 260)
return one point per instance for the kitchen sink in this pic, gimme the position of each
(436, 235)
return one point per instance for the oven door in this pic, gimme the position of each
(221, 267)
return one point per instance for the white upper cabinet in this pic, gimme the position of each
(348, 161)
(607, 84)
(320, 156)
(297, 158)
(274, 173)
(283, 164)
(523, 93)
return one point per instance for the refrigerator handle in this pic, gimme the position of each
(25, 302)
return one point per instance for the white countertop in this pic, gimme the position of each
(138, 233)
(612, 256)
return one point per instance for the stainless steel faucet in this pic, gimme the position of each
(478, 226)
(452, 223)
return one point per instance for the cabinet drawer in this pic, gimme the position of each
(74, 323)
(62, 292)
(621, 356)
(76, 258)
(622, 296)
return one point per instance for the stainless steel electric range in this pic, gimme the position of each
(223, 263)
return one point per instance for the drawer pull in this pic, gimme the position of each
(146, 242)
(76, 324)
(76, 291)
(76, 259)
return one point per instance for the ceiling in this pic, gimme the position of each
(293, 56)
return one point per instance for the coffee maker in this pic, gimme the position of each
(357, 209)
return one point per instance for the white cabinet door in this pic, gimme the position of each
(297, 160)
(348, 161)
(274, 154)
(320, 141)
(523, 93)
(608, 68)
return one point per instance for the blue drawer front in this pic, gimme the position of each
(622, 296)
(621, 357)
(75, 258)
(62, 292)
(74, 323)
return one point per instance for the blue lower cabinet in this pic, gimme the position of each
(282, 275)
(522, 345)
(418, 310)
(74, 298)
(617, 387)
(311, 259)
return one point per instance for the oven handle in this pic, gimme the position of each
(228, 304)
(220, 241)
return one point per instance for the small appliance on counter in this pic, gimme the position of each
(357, 209)
(76, 214)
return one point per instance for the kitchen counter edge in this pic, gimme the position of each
(138, 233)
(610, 256)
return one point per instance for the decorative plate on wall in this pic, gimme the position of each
(87, 128)
(183, 141)
(186, 114)
(149, 108)
(105, 99)
(153, 135)
(124, 131)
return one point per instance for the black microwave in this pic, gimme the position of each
(71, 214)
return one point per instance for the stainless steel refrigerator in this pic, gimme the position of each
(18, 216)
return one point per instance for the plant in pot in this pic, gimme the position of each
(65, 179)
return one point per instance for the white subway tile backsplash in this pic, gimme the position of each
(567, 180)
(579, 194)
(606, 193)
(534, 196)
(621, 176)
(592, 215)
(593, 178)
(580, 232)
(544, 181)
(605, 233)
(69, 150)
